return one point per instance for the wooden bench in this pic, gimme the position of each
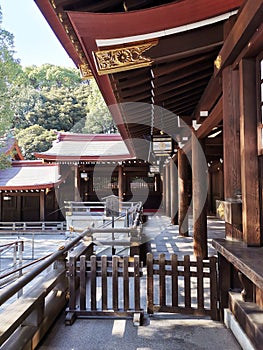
(241, 285)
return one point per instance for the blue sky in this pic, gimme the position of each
(35, 42)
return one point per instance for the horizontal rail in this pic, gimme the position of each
(23, 281)
(32, 225)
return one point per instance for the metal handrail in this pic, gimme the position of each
(23, 281)
(32, 225)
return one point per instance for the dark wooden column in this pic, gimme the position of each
(120, 183)
(182, 191)
(199, 188)
(163, 177)
(42, 202)
(174, 192)
(249, 157)
(231, 137)
(167, 191)
(76, 184)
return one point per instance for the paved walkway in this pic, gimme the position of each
(160, 331)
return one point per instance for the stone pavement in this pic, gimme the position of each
(159, 331)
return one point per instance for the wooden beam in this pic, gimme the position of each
(211, 121)
(249, 156)
(249, 19)
(210, 95)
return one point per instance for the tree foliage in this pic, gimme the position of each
(9, 70)
(35, 139)
(37, 100)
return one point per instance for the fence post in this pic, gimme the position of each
(162, 286)
(104, 282)
(149, 264)
(126, 283)
(137, 283)
(174, 263)
(93, 282)
(213, 288)
(187, 282)
(115, 287)
(82, 282)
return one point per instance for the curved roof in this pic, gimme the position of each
(29, 176)
(86, 147)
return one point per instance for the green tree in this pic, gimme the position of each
(98, 119)
(9, 71)
(35, 139)
(58, 108)
(48, 76)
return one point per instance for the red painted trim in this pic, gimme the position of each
(57, 27)
(89, 137)
(83, 158)
(115, 25)
(29, 163)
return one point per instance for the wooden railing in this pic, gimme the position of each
(82, 208)
(25, 320)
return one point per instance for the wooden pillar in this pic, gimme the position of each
(231, 140)
(76, 184)
(182, 191)
(199, 188)
(167, 191)
(164, 189)
(174, 192)
(42, 201)
(120, 183)
(249, 157)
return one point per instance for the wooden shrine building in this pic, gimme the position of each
(186, 77)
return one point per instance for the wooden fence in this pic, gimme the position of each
(117, 287)
(186, 286)
(105, 288)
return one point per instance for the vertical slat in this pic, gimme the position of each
(126, 303)
(213, 288)
(82, 282)
(200, 283)
(187, 284)
(93, 283)
(72, 283)
(104, 284)
(137, 283)
(115, 288)
(162, 289)
(149, 265)
(174, 263)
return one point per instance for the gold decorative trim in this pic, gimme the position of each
(218, 62)
(85, 71)
(115, 60)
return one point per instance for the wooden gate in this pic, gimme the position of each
(188, 287)
(118, 287)
(107, 288)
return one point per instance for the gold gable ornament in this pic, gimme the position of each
(85, 71)
(119, 59)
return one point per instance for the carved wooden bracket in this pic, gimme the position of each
(85, 71)
(115, 60)
(247, 292)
